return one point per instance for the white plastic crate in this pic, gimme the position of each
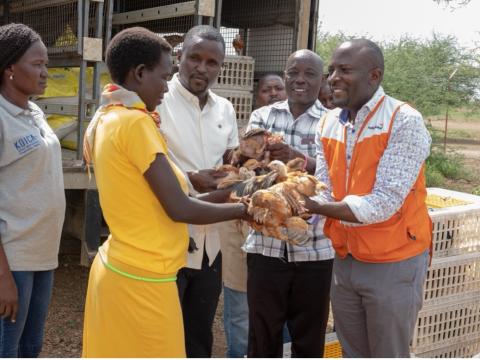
(461, 350)
(236, 74)
(242, 103)
(452, 279)
(456, 229)
(443, 326)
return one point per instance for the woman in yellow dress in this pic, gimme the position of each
(132, 307)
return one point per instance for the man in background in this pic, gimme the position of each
(325, 94)
(271, 88)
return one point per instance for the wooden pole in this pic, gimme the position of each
(446, 112)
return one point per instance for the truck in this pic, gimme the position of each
(76, 33)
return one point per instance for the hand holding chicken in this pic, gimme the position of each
(254, 145)
(277, 199)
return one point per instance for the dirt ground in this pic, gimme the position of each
(64, 324)
(469, 148)
(63, 333)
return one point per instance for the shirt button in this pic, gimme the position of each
(348, 157)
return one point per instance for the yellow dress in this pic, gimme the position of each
(125, 314)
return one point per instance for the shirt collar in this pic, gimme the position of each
(13, 109)
(369, 105)
(315, 111)
(187, 94)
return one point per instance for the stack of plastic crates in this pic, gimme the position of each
(235, 82)
(449, 323)
(172, 19)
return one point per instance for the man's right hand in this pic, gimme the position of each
(8, 297)
(205, 180)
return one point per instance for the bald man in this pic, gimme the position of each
(371, 152)
(288, 283)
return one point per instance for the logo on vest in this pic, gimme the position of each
(376, 127)
(26, 143)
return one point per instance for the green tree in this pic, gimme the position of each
(417, 71)
(327, 43)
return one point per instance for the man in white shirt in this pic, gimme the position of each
(201, 129)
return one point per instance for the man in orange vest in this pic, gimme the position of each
(371, 152)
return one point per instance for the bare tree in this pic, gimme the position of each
(453, 4)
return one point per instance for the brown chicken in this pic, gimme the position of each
(243, 186)
(238, 44)
(278, 210)
(233, 175)
(276, 199)
(253, 145)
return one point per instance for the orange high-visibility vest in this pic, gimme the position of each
(409, 231)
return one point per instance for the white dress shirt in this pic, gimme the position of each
(198, 138)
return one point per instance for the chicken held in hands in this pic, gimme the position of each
(276, 200)
(279, 210)
(253, 145)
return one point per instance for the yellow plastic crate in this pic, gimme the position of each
(440, 202)
(456, 222)
(333, 349)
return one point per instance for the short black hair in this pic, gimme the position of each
(132, 47)
(205, 32)
(373, 50)
(267, 75)
(15, 40)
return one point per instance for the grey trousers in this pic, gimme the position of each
(375, 306)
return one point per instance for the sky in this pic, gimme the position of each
(390, 19)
